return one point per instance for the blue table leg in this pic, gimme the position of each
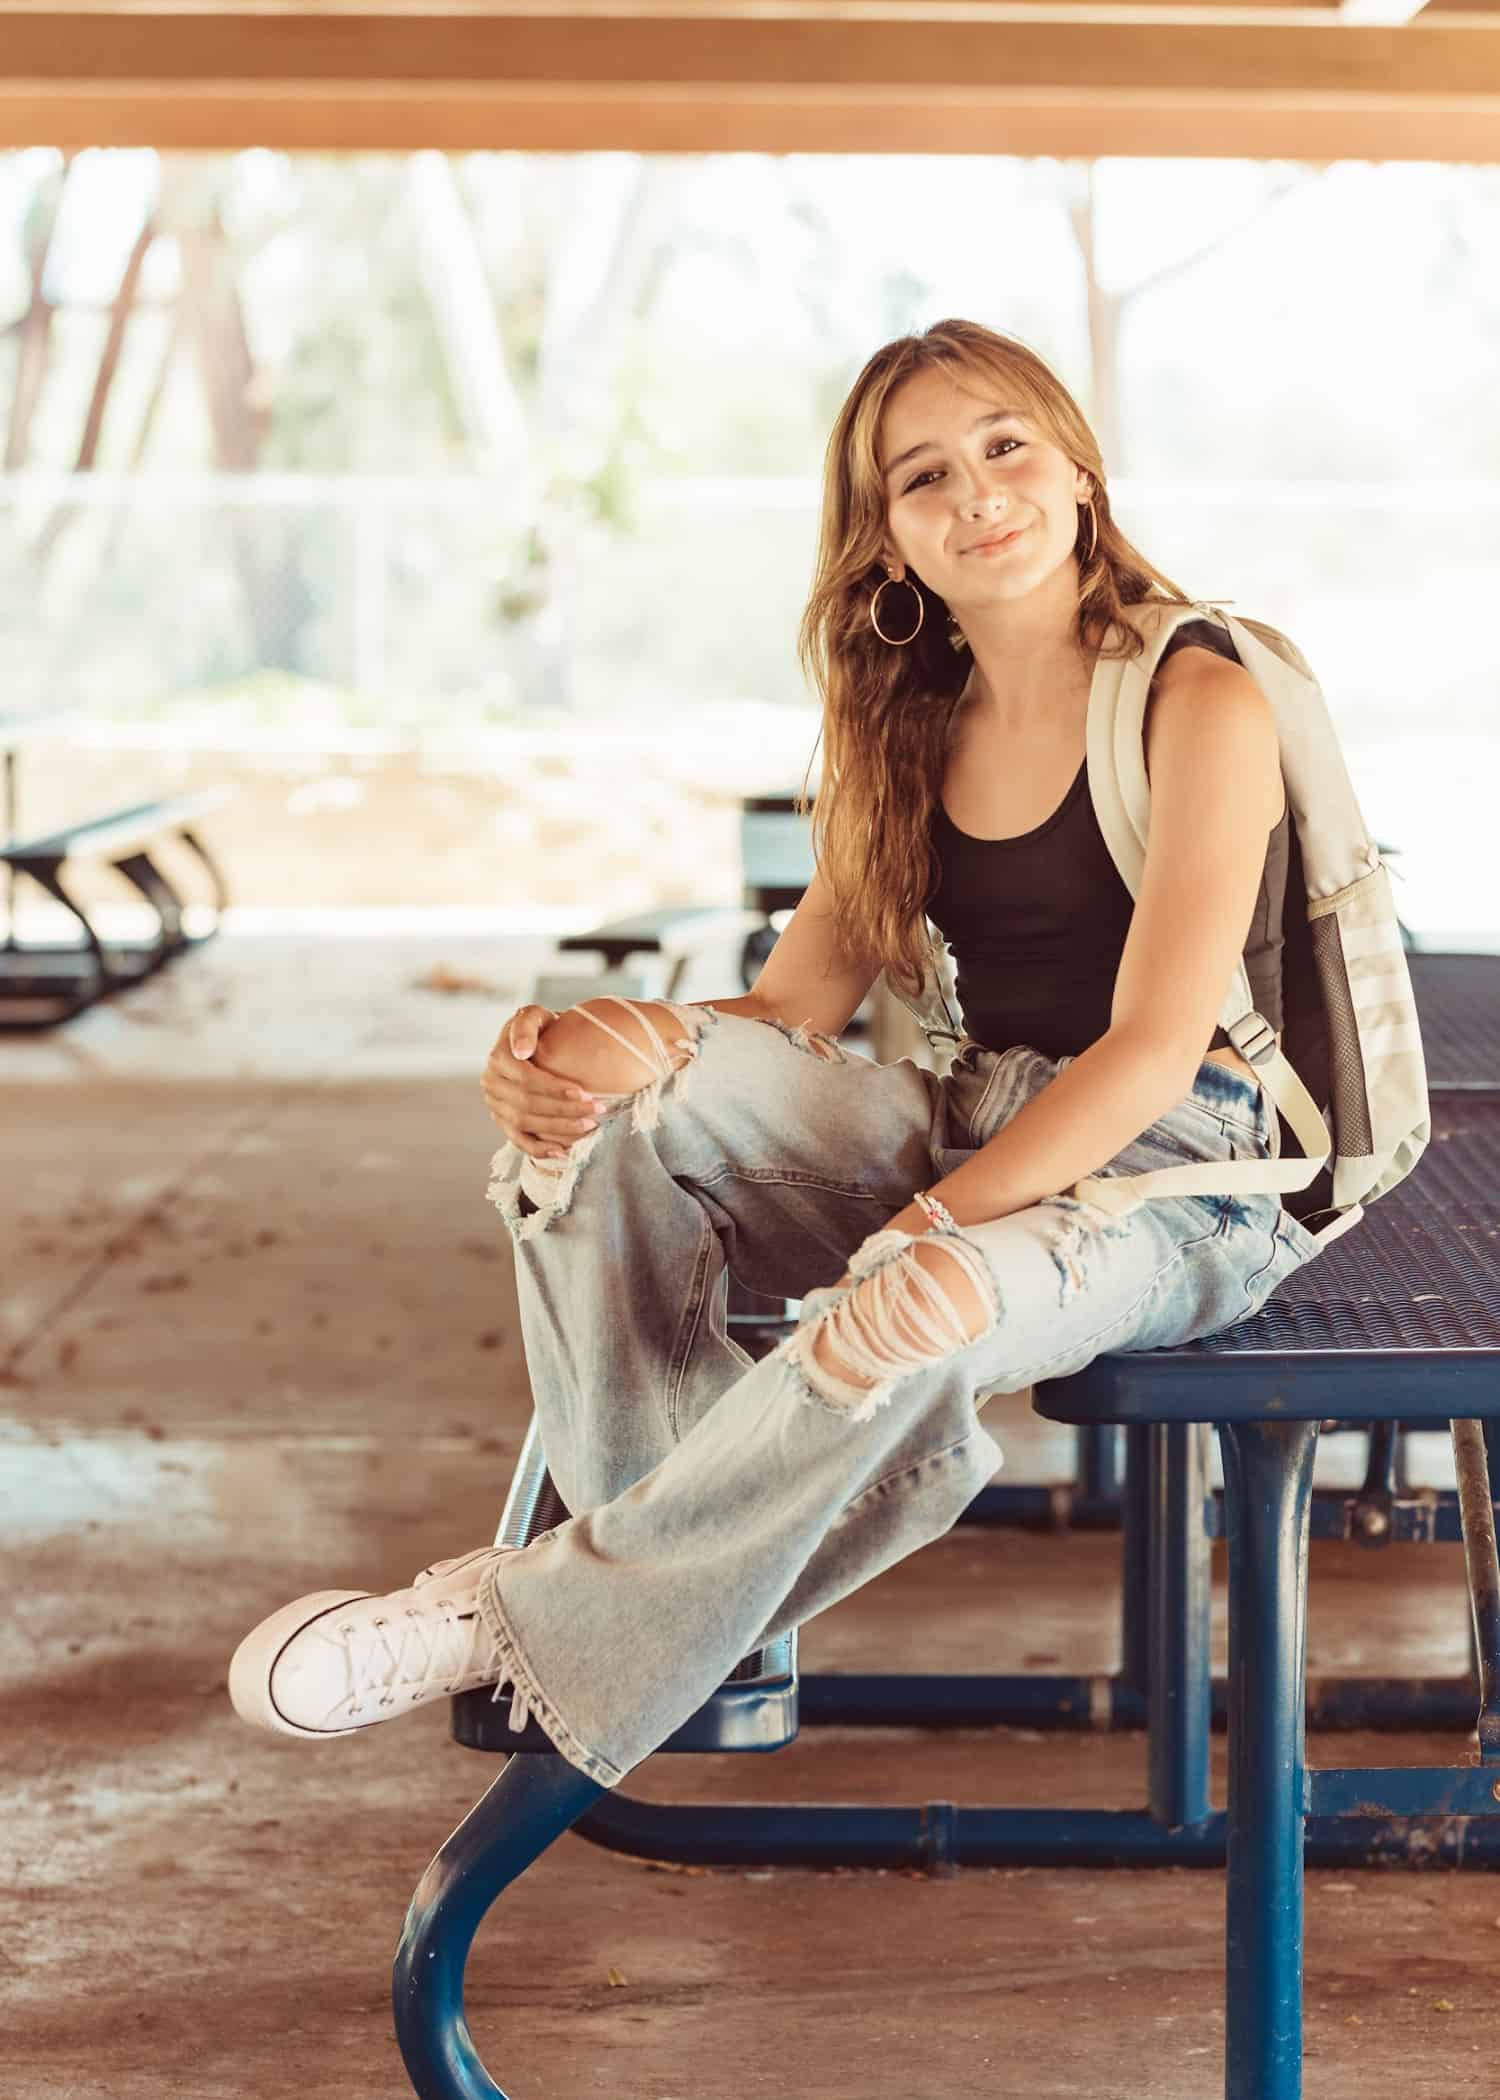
(1097, 1466)
(1181, 1691)
(1473, 1462)
(1268, 1468)
(534, 1800)
(1134, 1680)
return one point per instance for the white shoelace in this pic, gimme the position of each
(411, 1653)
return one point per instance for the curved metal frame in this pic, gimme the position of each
(533, 1801)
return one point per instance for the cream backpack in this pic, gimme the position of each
(1349, 1078)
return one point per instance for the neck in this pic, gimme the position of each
(1036, 690)
(1028, 659)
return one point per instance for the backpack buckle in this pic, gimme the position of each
(1254, 1038)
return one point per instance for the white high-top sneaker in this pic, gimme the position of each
(464, 1567)
(338, 1660)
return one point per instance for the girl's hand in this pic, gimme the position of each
(540, 1112)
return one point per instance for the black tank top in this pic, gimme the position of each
(1037, 924)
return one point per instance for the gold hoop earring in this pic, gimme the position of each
(1094, 535)
(898, 642)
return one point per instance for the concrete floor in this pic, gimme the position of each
(258, 1335)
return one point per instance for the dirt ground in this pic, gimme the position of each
(258, 1336)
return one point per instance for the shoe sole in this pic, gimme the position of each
(256, 1657)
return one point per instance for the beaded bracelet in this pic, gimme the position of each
(936, 1213)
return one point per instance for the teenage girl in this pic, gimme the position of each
(969, 577)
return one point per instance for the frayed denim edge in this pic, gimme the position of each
(808, 1039)
(519, 1671)
(1082, 1223)
(553, 1193)
(878, 1252)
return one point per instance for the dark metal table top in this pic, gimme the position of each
(1398, 1319)
(1458, 1004)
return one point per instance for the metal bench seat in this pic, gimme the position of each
(675, 930)
(134, 825)
(42, 984)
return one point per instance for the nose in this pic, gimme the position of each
(980, 502)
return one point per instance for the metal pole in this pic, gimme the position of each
(1181, 1688)
(1135, 1585)
(1268, 1469)
(1476, 1509)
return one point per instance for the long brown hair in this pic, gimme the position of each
(887, 711)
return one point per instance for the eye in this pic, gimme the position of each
(917, 483)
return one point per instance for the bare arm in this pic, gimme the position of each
(807, 978)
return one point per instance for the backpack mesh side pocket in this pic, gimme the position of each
(1349, 1102)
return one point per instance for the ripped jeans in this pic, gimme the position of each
(718, 1502)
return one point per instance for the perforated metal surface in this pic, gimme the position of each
(1398, 1320)
(1421, 1270)
(1458, 1004)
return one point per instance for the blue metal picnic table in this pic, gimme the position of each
(45, 982)
(1398, 1320)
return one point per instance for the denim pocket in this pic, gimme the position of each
(1292, 1246)
(1196, 1113)
(1233, 1118)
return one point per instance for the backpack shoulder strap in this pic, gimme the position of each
(1120, 790)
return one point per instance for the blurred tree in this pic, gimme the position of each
(32, 328)
(1109, 308)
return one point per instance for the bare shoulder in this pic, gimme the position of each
(1200, 694)
(1208, 713)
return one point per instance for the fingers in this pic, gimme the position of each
(540, 1112)
(521, 1031)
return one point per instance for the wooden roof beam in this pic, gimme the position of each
(968, 76)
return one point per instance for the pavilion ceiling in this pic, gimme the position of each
(1368, 79)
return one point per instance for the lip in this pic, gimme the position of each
(995, 540)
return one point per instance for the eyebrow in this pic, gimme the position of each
(999, 415)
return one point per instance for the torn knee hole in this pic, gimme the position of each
(531, 1194)
(931, 1298)
(667, 1040)
(654, 1039)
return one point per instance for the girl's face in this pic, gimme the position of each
(974, 471)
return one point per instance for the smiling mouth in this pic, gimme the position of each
(987, 546)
